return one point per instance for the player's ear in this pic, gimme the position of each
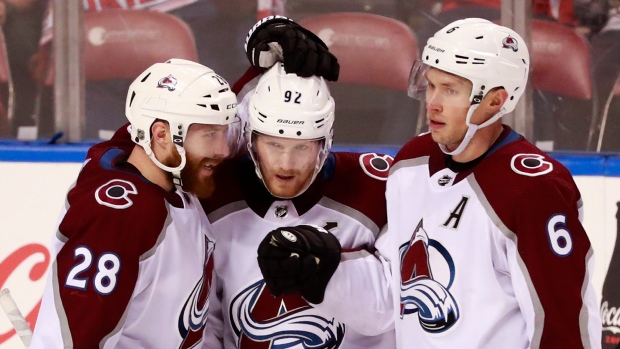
(496, 99)
(160, 132)
(491, 105)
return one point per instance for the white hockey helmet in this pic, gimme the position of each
(487, 54)
(289, 106)
(182, 93)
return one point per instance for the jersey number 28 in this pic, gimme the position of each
(108, 266)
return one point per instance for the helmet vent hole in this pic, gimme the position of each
(223, 90)
(436, 61)
(215, 107)
(512, 97)
(479, 37)
(269, 88)
(133, 95)
(427, 58)
(146, 77)
(478, 61)
(202, 105)
(281, 131)
(523, 61)
(461, 57)
(461, 62)
(207, 96)
(482, 87)
(299, 133)
(319, 121)
(261, 114)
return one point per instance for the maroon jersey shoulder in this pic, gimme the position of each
(113, 202)
(359, 182)
(519, 179)
(422, 145)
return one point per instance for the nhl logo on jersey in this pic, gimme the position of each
(281, 211)
(444, 180)
(169, 83)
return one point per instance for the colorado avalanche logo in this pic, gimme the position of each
(115, 194)
(263, 321)
(376, 166)
(531, 165)
(419, 292)
(193, 316)
(511, 43)
(169, 82)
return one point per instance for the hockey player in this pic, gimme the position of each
(485, 244)
(290, 177)
(133, 247)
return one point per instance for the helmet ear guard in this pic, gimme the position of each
(288, 106)
(182, 93)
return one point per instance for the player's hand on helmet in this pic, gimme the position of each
(299, 259)
(277, 38)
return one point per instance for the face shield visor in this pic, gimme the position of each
(287, 166)
(213, 141)
(439, 89)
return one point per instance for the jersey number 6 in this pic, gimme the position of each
(559, 237)
(108, 266)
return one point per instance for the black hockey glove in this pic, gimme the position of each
(277, 38)
(299, 259)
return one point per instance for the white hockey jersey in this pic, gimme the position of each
(348, 198)
(489, 255)
(132, 264)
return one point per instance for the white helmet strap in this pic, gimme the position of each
(471, 130)
(176, 171)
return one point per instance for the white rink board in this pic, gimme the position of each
(32, 196)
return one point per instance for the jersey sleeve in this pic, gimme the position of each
(101, 242)
(549, 259)
(360, 290)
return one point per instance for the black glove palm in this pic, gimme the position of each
(299, 259)
(277, 38)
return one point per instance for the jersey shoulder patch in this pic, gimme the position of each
(530, 164)
(375, 165)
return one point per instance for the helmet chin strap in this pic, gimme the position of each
(471, 130)
(176, 171)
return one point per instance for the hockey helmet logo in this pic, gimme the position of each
(511, 43)
(169, 82)
(376, 166)
(421, 292)
(260, 320)
(115, 194)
